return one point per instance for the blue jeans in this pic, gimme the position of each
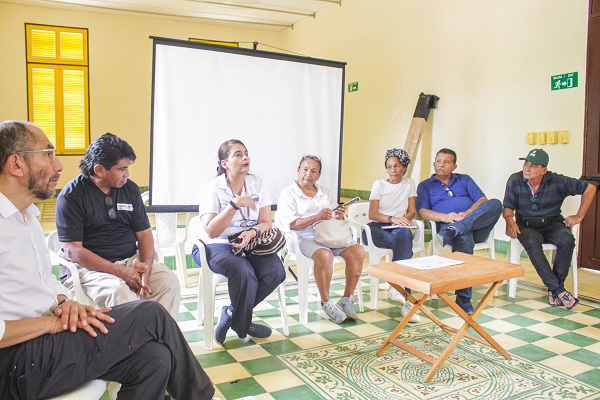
(474, 228)
(559, 235)
(399, 240)
(250, 280)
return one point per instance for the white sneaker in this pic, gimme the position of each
(396, 295)
(347, 306)
(334, 312)
(406, 307)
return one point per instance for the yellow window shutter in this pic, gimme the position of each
(43, 100)
(43, 44)
(75, 110)
(71, 47)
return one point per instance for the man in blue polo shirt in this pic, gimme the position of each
(536, 195)
(463, 214)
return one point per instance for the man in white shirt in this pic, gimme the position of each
(50, 345)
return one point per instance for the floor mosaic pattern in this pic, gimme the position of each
(556, 353)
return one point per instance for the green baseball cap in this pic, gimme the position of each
(537, 157)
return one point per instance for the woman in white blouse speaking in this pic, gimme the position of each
(237, 202)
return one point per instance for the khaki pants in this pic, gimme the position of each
(107, 290)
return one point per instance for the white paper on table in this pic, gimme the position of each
(429, 262)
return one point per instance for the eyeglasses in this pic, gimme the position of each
(112, 213)
(51, 152)
(309, 157)
(447, 189)
(534, 205)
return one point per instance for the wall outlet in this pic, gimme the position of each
(563, 137)
(551, 137)
(540, 137)
(530, 138)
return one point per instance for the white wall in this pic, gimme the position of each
(489, 61)
(120, 69)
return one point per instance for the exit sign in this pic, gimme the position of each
(564, 81)
(353, 87)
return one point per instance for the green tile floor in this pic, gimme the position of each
(527, 327)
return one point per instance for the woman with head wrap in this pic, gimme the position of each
(392, 202)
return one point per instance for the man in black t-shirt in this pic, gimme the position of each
(104, 229)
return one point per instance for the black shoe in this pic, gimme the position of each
(259, 331)
(223, 326)
(447, 235)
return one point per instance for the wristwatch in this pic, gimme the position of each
(390, 220)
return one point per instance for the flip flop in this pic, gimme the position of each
(553, 300)
(568, 300)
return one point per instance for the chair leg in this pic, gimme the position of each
(374, 292)
(514, 254)
(361, 304)
(283, 309)
(303, 294)
(574, 274)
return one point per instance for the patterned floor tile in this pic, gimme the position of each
(554, 340)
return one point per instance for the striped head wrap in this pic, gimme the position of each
(401, 154)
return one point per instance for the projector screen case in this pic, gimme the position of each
(282, 107)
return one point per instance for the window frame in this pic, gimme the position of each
(59, 66)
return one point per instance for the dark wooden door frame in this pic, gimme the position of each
(589, 249)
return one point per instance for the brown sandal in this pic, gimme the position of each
(568, 300)
(553, 300)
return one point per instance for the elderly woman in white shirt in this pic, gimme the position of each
(300, 206)
(238, 202)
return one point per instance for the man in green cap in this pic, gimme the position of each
(536, 196)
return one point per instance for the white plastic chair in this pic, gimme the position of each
(513, 255)
(208, 283)
(165, 238)
(77, 289)
(436, 247)
(304, 267)
(92, 390)
(358, 215)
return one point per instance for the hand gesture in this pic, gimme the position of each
(452, 217)
(245, 201)
(142, 271)
(244, 238)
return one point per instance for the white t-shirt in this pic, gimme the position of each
(217, 195)
(28, 287)
(393, 197)
(294, 204)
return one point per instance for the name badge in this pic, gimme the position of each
(124, 207)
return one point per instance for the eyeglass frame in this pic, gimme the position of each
(51, 152)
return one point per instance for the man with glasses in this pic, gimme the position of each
(463, 214)
(50, 345)
(537, 195)
(104, 229)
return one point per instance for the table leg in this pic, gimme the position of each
(462, 332)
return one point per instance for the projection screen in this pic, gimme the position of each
(282, 107)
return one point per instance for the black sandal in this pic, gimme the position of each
(568, 300)
(553, 300)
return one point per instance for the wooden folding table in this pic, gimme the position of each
(473, 271)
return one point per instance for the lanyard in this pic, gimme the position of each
(245, 189)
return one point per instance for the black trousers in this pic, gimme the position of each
(144, 350)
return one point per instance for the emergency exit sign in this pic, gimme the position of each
(353, 87)
(564, 81)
